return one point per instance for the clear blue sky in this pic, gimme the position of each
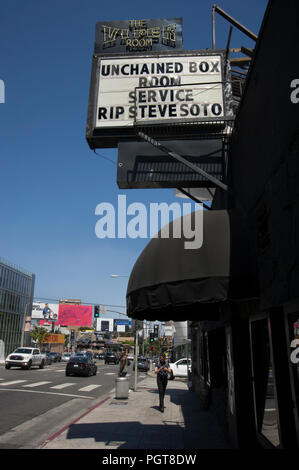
(50, 181)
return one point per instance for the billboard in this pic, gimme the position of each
(138, 35)
(58, 339)
(75, 315)
(158, 91)
(38, 308)
(103, 325)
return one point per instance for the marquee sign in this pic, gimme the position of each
(138, 35)
(153, 90)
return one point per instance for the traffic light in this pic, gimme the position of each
(96, 311)
(152, 337)
(156, 331)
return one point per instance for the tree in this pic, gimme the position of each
(40, 335)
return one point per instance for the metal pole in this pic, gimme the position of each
(136, 364)
(23, 326)
(213, 26)
(235, 23)
(178, 157)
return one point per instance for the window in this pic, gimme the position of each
(266, 415)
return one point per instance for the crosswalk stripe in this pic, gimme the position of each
(109, 373)
(59, 387)
(88, 388)
(36, 384)
(12, 382)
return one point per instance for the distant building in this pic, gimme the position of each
(16, 297)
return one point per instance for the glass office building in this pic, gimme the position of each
(16, 297)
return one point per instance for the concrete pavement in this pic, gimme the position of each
(137, 423)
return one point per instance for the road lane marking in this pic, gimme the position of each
(36, 384)
(110, 373)
(46, 393)
(59, 387)
(13, 382)
(88, 388)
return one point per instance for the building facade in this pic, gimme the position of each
(16, 297)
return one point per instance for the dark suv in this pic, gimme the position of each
(111, 357)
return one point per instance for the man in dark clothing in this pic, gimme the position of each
(162, 370)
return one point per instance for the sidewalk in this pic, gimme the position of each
(137, 423)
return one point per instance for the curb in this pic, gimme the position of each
(51, 438)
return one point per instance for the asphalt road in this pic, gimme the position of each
(36, 403)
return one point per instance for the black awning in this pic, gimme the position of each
(170, 282)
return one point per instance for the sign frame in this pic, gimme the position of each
(109, 137)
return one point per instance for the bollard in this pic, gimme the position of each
(121, 387)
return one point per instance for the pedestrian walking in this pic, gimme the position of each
(123, 367)
(162, 370)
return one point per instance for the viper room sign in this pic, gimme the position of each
(154, 90)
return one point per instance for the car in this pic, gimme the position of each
(66, 357)
(56, 357)
(48, 358)
(84, 354)
(180, 368)
(81, 365)
(142, 364)
(111, 357)
(99, 356)
(59, 356)
(25, 358)
(89, 354)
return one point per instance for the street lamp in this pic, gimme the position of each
(117, 275)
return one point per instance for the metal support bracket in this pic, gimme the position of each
(181, 159)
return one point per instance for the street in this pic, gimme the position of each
(36, 403)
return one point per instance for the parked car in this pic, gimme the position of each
(142, 364)
(48, 358)
(111, 357)
(66, 357)
(81, 365)
(180, 368)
